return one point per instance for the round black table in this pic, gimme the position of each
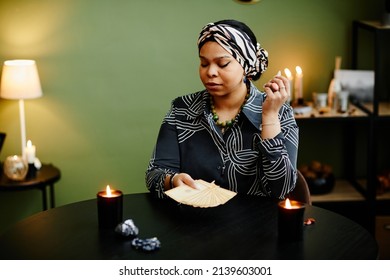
(243, 228)
(45, 177)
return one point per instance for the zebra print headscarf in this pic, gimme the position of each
(252, 58)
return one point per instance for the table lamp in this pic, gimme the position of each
(20, 80)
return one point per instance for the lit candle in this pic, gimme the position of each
(298, 83)
(30, 152)
(290, 219)
(290, 79)
(110, 207)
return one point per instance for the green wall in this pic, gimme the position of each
(109, 70)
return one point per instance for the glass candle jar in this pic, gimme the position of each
(15, 168)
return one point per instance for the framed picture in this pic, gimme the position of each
(359, 83)
(2, 139)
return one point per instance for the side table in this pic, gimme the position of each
(45, 177)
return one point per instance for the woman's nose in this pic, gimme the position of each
(212, 71)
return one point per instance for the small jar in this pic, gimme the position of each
(320, 100)
(342, 101)
(15, 168)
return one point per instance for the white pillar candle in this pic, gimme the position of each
(30, 152)
(290, 80)
(298, 83)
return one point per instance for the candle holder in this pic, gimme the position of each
(110, 208)
(290, 220)
(15, 168)
(300, 106)
(32, 171)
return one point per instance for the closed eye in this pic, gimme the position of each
(224, 65)
(219, 65)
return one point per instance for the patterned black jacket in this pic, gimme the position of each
(240, 160)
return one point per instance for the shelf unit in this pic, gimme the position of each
(349, 196)
(353, 196)
(350, 191)
(343, 191)
(381, 59)
(379, 109)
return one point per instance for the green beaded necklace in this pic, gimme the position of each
(228, 123)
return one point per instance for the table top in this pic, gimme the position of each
(47, 174)
(243, 228)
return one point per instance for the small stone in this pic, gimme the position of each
(127, 228)
(148, 245)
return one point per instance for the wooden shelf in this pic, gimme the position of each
(383, 108)
(384, 196)
(342, 191)
(374, 24)
(353, 112)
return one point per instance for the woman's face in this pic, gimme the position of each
(220, 73)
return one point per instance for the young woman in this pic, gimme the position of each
(231, 133)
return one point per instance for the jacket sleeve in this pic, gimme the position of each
(165, 159)
(279, 156)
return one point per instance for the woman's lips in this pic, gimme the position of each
(213, 86)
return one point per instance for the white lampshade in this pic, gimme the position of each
(20, 80)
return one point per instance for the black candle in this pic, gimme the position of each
(290, 220)
(110, 208)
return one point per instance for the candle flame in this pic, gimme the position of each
(288, 204)
(288, 73)
(29, 143)
(299, 70)
(108, 191)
